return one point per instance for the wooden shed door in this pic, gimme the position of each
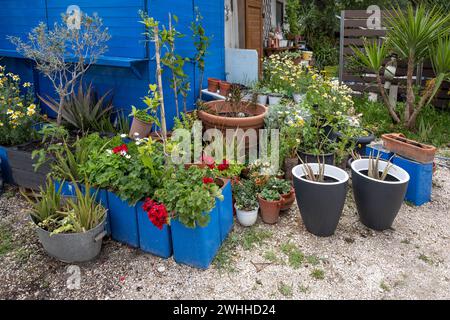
(254, 26)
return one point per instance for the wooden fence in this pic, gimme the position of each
(353, 30)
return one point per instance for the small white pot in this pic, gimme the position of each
(274, 100)
(262, 99)
(247, 218)
(373, 97)
(283, 43)
(299, 97)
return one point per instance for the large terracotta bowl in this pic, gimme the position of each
(217, 118)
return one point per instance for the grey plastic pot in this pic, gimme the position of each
(327, 158)
(320, 203)
(378, 202)
(73, 247)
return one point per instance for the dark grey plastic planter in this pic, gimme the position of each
(378, 202)
(328, 158)
(320, 203)
(22, 170)
(73, 247)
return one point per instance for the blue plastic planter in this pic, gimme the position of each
(225, 211)
(196, 247)
(151, 239)
(102, 198)
(420, 184)
(6, 169)
(376, 149)
(67, 188)
(123, 221)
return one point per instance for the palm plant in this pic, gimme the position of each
(414, 34)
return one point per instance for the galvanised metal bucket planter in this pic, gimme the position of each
(378, 202)
(225, 209)
(321, 203)
(151, 239)
(102, 198)
(73, 247)
(123, 219)
(196, 247)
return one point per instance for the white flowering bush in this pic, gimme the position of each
(18, 113)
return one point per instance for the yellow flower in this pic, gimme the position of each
(1, 124)
(15, 78)
(27, 85)
(9, 111)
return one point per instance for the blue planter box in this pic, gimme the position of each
(102, 198)
(225, 211)
(420, 183)
(151, 239)
(196, 247)
(67, 188)
(6, 169)
(123, 221)
(376, 149)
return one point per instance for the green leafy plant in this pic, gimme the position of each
(244, 194)
(189, 194)
(269, 194)
(152, 101)
(279, 185)
(83, 110)
(46, 204)
(201, 44)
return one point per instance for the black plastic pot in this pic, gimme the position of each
(328, 158)
(361, 142)
(320, 203)
(378, 202)
(22, 170)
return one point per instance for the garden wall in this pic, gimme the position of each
(129, 65)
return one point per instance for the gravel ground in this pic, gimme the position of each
(284, 261)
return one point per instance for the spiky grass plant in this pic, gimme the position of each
(309, 172)
(373, 169)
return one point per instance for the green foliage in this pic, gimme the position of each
(270, 194)
(434, 124)
(201, 44)
(83, 110)
(184, 193)
(244, 194)
(318, 274)
(152, 101)
(373, 56)
(292, 16)
(285, 289)
(279, 185)
(18, 113)
(255, 236)
(290, 139)
(46, 204)
(6, 243)
(63, 55)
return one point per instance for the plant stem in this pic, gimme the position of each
(160, 83)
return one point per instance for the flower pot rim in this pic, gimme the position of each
(219, 119)
(142, 121)
(246, 211)
(275, 202)
(330, 171)
(395, 171)
(68, 234)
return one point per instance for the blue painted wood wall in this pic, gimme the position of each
(18, 17)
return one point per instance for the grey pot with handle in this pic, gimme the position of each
(73, 247)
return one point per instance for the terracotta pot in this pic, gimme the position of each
(307, 55)
(224, 88)
(270, 210)
(222, 122)
(289, 164)
(213, 85)
(288, 199)
(140, 127)
(398, 143)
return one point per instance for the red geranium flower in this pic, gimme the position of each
(209, 161)
(157, 213)
(208, 180)
(120, 149)
(224, 165)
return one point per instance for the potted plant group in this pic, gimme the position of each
(224, 88)
(320, 190)
(232, 113)
(290, 138)
(246, 205)
(379, 188)
(70, 229)
(143, 119)
(270, 202)
(316, 143)
(285, 189)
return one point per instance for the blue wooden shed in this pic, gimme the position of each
(129, 65)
